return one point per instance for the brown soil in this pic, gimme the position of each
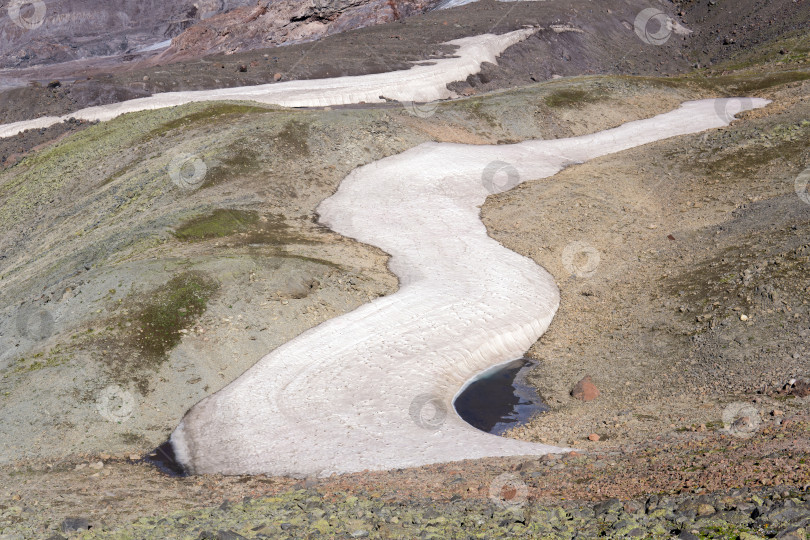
(122, 491)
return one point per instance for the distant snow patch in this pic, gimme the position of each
(447, 4)
(421, 83)
(154, 46)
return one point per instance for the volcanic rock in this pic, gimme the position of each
(585, 390)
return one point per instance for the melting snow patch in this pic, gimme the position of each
(373, 389)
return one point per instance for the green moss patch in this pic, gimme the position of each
(146, 326)
(54, 357)
(169, 309)
(214, 112)
(241, 227)
(218, 224)
(572, 98)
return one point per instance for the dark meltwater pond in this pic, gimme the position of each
(500, 399)
(164, 459)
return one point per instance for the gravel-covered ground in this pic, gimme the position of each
(710, 485)
(740, 513)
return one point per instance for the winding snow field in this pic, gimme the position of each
(373, 389)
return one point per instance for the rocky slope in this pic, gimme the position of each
(271, 23)
(64, 30)
(684, 485)
(575, 38)
(572, 38)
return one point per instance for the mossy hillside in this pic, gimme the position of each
(212, 112)
(241, 227)
(39, 179)
(81, 158)
(116, 173)
(133, 216)
(191, 117)
(790, 49)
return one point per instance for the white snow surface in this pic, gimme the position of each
(345, 395)
(420, 83)
(154, 46)
(447, 4)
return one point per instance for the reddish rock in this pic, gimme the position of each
(270, 23)
(593, 437)
(585, 390)
(277, 77)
